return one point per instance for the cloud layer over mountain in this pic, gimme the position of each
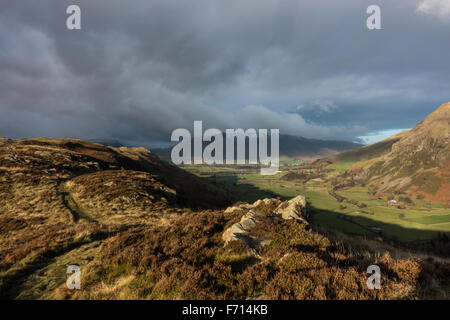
(139, 70)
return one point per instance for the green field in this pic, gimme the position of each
(419, 220)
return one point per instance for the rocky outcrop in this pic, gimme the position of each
(238, 208)
(266, 203)
(294, 209)
(241, 229)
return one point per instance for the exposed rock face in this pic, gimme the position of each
(288, 210)
(241, 229)
(237, 208)
(293, 209)
(265, 202)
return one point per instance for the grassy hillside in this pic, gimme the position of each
(415, 161)
(358, 212)
(140, 228)
(58, 195)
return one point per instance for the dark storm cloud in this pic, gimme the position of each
(139, 69)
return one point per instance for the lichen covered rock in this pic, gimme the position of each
(293, 209)
(288, 210)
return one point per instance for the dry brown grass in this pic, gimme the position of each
(187, 260)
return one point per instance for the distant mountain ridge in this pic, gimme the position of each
(295, 146)
(108, 142)
(292, 146)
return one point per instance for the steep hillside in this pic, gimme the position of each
(415, 161)
(419, 162)
(65, 159)
(370, 151)
(60, 194)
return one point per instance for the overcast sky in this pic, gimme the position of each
(139, 69)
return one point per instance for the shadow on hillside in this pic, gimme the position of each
(429, 241)
(393, 234)
(236, 191)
